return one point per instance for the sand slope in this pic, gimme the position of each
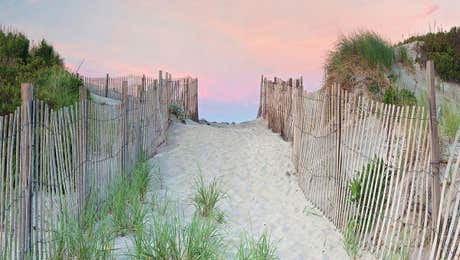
(255, 167)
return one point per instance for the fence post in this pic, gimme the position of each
(25, 169)
(124, 125)
(107, 85)
(435, 153)
(259, 112)
(140, 106)
(83, 146)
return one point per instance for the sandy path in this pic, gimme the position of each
(255, 167)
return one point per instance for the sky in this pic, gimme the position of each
(227, 45)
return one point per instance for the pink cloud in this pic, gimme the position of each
(430, 8)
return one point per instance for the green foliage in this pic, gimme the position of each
(206, 198)
(56, 87)
(351, 239)
(81, 238)
(403, 56)
(260, 249)
(366, 190)
(202, 240)
(398, 96)
(123, 203)
(39, 65)
(168, 238)
(141, 179)
(449, 118)
(444, 49)
(390, 96)
(374, 88)
(368, 46)
(177, 111)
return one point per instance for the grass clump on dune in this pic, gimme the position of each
(361, 49)
(85, 237)
(360, 59)
(260, 249)
(125, 198)
(206, 198)
(449, 118)
(168, 238)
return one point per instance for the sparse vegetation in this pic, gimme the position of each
(399, 96)
(449, 118)
(168, 238)
(124, 202)
(177, 111)
(260, 249)
(403, 57)
(206, 198)
(367, 191)
(82, 238)
(351, 239)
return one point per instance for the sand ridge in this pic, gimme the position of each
(256, 171)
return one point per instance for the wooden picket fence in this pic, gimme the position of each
(182, 92)
(368, 167)
(51, 161)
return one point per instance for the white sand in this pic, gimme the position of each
(255, 168)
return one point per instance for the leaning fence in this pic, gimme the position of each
(368, 167)
(52, 160)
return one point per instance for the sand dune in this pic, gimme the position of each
(255, 168)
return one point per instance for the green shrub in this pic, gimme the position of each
(56, 87)
(390, 96)
(39, 65)
(366, 191)
(260, 249)
(374, 89)
(444, 49)
(397, 96)
(177, 111)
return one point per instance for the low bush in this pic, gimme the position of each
(367, 192)
(444, 49)
(177, 111)
(397, 96)
(40, 65)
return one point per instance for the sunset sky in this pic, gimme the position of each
(226, 44)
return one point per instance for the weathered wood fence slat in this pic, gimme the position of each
(53, 160)
(369, 167)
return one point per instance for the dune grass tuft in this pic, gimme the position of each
(168, 238)
(81, 238)
(351, 239)
(260, 249)
(367, 46)
(206, 198)
(449, 118)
